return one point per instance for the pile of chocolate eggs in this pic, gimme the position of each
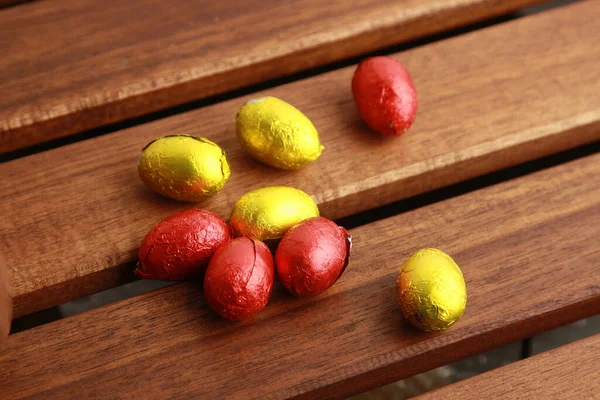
(238, 267)
(234, 258)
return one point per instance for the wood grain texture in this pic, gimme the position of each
(568, 372)
(71, 65)
(73, 217)
(528, 249)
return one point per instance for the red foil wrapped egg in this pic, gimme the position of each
(180, 246)
(312, 256)
(385, 95)
(239, 279)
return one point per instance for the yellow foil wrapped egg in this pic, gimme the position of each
(268, 213)
(431, 290)
(183, 167)
(276, 133)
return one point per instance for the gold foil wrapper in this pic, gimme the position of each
(431, 290)
(276, 133)
(184, 167)
(268, 213)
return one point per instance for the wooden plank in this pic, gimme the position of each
(73, 217)
(528, 249)
(71, 65)
(568, 372)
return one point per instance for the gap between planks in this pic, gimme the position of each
(74, 216)
(12, 3)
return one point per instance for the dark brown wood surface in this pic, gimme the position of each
(5, 302)
(568, 372)
(528, 249)
(73, 217)
(70, 65)
(5, 3)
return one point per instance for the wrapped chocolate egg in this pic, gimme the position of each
(385, 95)
(312, 256)
(180, 246)
(431, 290)
(184, 167)
(268, 213)
(239, 279)
(276, 133)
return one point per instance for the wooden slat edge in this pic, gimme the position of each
(6, 309)
(527, 248)
(336, 30)
(81, 209)
(568, 372)
(6, 3)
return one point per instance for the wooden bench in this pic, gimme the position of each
(569, 372)
(73, 215)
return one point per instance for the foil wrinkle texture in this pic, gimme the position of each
(183, 167)
(431, 290)
(385, 95)
(268, 213)
(312, 256)
(277, 134)
(180, 246)
(239, 279)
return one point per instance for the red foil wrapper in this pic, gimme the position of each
(239, 279)
(385, 95)
(180, 246)
(312, 256)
